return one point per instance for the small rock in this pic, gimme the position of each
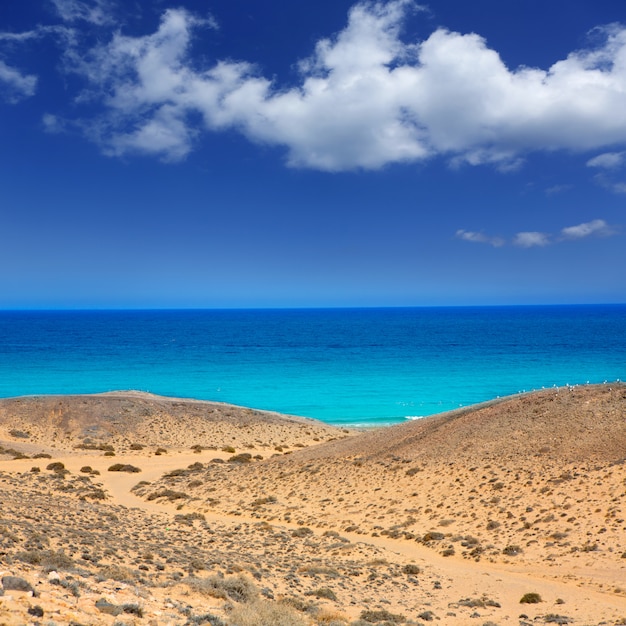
(104, 606)
(53, 576)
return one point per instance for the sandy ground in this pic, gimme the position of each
(242, 517)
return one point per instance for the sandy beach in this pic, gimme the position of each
(128, 508)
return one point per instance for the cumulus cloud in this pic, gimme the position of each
(15, 85)
(587, 229)
(365, 98)
(475, 237)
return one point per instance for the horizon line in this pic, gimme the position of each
(87, 309)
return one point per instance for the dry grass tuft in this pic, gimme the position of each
(263, 613)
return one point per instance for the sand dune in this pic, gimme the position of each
(452, 518)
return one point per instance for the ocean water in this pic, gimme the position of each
(344, 366)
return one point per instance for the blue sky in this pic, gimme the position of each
(233, 153)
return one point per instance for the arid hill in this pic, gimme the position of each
(228, 516)
(568, 424)
(120, 419)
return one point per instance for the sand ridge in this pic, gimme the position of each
(452, 518)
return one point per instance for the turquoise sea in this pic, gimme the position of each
(345, 366)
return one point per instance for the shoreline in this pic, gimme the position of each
(360, 425)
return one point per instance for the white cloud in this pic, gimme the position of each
(95, 11)
(608, 160)
(365, 98)
(595, 227)
(531, 239)
(52, 124)
(619, 187)
(15, 85)
(476, 237)
(557, 189)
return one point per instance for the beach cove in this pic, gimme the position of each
(342, 366)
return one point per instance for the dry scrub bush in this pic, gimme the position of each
(117, 572)
(47, 559)
(19, 434)
(244, 457)
(121, 467)
(382, 615)
(531, 598)
(323, 592)
(238, 588)
(170, 494)
(263, 613)
(325, 617)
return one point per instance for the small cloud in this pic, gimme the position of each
(556, 189)
(608, 160)
(602, 179)
(52, 124)
(619, 187)
(20, 37)
(474, 237)
(16, 86)
(531, 239)
(536, 239)
(597, 228)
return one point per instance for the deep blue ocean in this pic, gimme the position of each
(344, 366)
